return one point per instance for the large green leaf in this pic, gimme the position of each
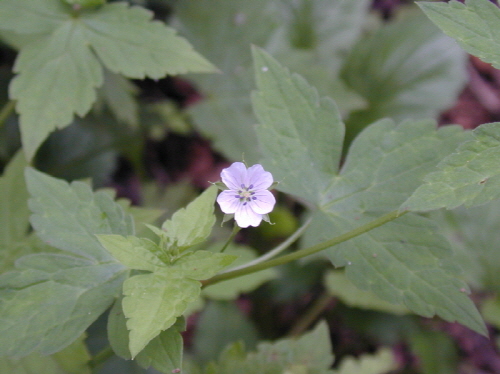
(51, 300)
(403, 262)
(407, 69)
(470, 176)
(292, 119)
(475, 25)
(225, 36)
(71, 360)
(14, 213)
(61, 68)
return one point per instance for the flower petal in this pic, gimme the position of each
(228, 201)
(258, 177)
(245, 216)
(234, 176)
(262, 202)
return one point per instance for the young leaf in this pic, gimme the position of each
(470, 176)
(193, 224)
(475, 26)
(59, 71)
(133, 252)
(407, 69)
(381, 362)
(72, 292)
(164, 353)
(68, 216)
(300, 134)
(153, 302)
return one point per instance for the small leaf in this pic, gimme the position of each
(470, 176)
(152, 304)
(475, 26)
(193, 224)
(201, 265)
(67, 216)
(164, 353)
(300, 134)
(381, 362)
(133, 252)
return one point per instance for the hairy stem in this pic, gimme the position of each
(6, 111)
(101, 357)
(236, 229)
(304, 252)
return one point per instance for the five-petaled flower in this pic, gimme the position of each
(247, 195)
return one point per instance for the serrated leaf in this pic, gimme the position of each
(72, 292)
(59, 71)
(133, 252)
(407, 69)
(339, 286)
(193, 224)
(230, 290)
(71, 360)
(153, 302)
(68, 216)
(474, 25)
(164, 353)
(293, 118)
(470, 176)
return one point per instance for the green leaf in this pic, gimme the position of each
(164, 352)
(68, 216)
(14, 213)
(379, 363)
(193, 224)
(407, 69)
(311, 353)
(73, 292)
(289, 110)
(134, 253)
(230, 290)
(470, 176)
(338, 285)
(153, 302)
(475, 26)
(202, 265)
(60, 70)
(71, 360)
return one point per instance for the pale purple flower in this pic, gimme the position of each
(247, 196)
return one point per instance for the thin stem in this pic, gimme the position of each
(101, 357)
(311, 315)
(236, 229)
(306, 251)
(6, 111)
(275, 251)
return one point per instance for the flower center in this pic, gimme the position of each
(245, 194)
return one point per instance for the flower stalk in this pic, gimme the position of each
(304, 252)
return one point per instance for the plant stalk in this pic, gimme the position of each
(304, 252)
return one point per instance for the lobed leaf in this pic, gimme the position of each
(474, 25)
(470, 176)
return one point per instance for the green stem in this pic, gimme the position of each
(236, 229)
(6, 111)
(312, 314)
(277, 250)
(101, 357)
(306, 251)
